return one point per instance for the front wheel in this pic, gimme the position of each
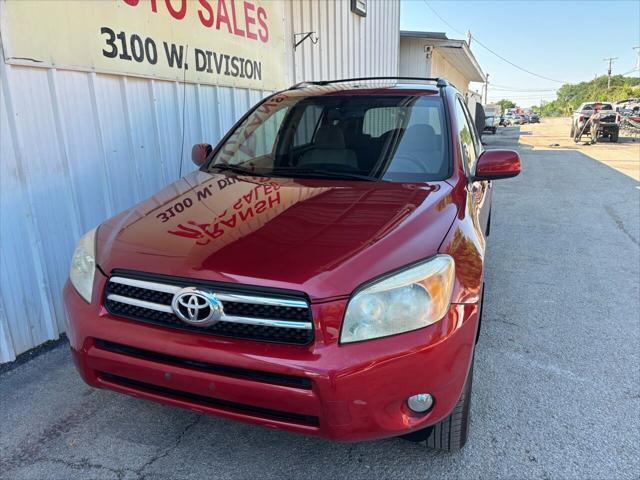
(451, 434)
(614, 137)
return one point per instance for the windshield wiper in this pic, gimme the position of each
(235, 169)
(319, 173)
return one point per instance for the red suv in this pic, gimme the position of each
(322, 272)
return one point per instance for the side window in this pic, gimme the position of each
(307, 126)
(466, 136)
(474, 131)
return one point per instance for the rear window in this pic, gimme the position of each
(393, 138)
(602, 106)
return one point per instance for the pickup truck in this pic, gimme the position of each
(608, 125)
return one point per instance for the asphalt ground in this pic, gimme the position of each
(556, 391)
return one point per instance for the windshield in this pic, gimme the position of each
(366, 137)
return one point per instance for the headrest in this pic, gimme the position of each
(418, 137)
(329, 136)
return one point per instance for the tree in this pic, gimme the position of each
(570, 96)
(504, 104)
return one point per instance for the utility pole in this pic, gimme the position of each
(637, 49)
(486, 87)
(610, 60)
(469, 38)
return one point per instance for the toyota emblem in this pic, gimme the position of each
(197, 307)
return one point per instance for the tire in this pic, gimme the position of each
(480, 314)
(576, 135)
(488, 232)
(494, 130)
(451, 434)
(614, 137)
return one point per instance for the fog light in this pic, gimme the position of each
(420, 403)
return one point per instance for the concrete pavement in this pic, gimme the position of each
(557, 376)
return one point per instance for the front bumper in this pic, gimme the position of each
(345, 392)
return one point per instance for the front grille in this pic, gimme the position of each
(212, 402)
(230, 308)
(250, 314)
(236, 372)
(140, 293)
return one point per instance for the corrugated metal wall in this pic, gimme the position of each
(413, 58)
(77, 148)
(348, 45)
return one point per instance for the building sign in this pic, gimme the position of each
(229, 42)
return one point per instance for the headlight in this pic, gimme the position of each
(410, 299)
(83, 265)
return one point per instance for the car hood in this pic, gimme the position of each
(322, 237)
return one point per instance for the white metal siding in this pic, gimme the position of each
(348, 45)
(77, 148)
(413, 58)
(440, 67)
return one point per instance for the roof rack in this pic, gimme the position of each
(440, 82)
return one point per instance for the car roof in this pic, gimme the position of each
(594, 103)
(363, 87)
(316, 90)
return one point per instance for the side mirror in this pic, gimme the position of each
(496, 164)
(200, 152)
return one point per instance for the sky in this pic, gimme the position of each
(549, 38)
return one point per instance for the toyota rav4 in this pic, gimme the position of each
(321, 272)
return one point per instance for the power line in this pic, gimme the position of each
(524, 90)
(510, 87)
(517, 99)
(517, 66)
(491, 51)
(518, 88)
(523, 97)
(445, 22)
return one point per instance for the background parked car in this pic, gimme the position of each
(491, 124)
(515, 120)
(534, 118)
